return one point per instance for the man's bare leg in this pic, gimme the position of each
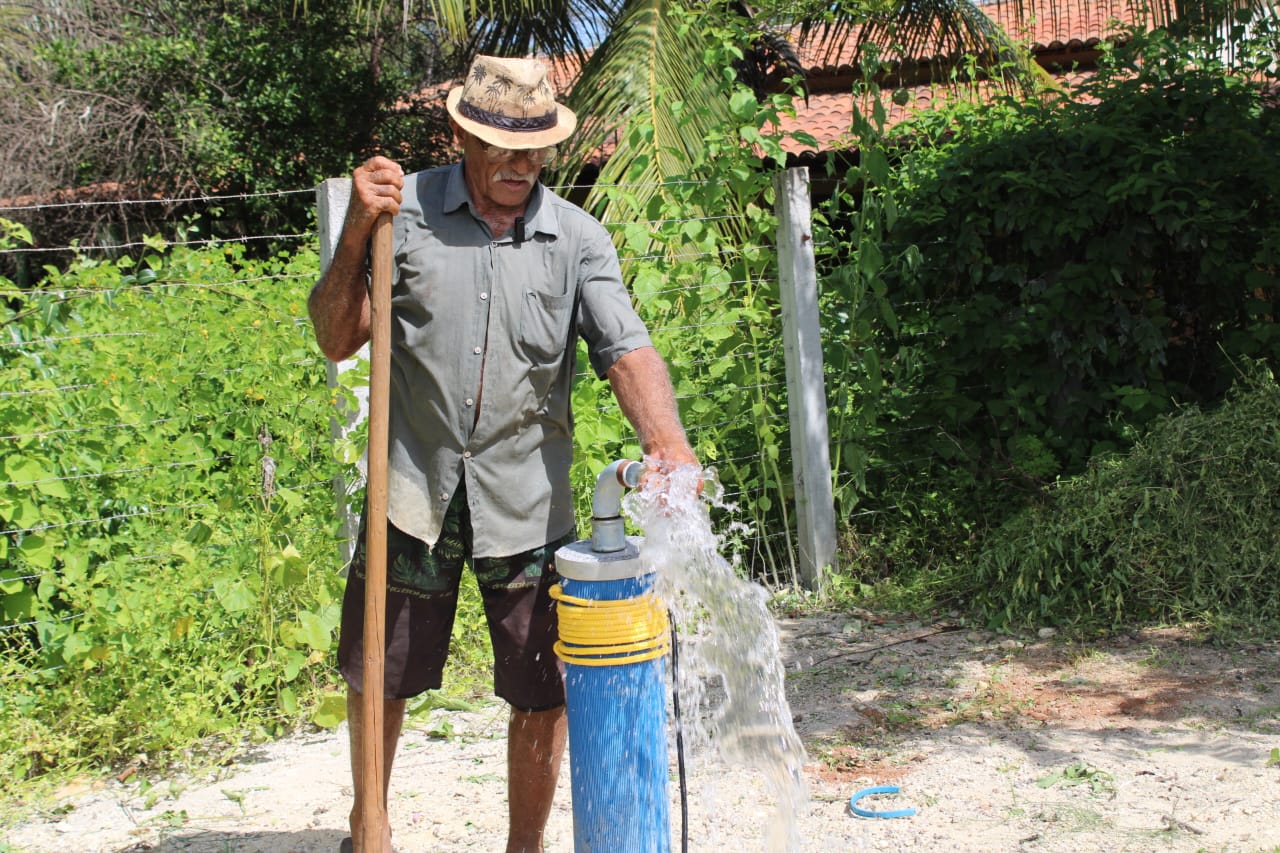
(535, 745)
(392, 720)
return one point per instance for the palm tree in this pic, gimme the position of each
(651, 54)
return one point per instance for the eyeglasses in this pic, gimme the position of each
(496, 154)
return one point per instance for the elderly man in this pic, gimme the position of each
(495, 279)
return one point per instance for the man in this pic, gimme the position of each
(496, 277)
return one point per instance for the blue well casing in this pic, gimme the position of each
(617, 738)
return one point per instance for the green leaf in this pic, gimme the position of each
(19, 606)
(26, 514)
(742, 104)
(182, 548)
(76, 646)
(11, 582)
(637, 238)
(199, 534)
(313, 631)
(877, 166)
(1049, 781)
(23, 470)
(288, 568)
(293, 661)
(37, 551)
(330, 711)
(233, 594)
(180, 628)
(53, 488)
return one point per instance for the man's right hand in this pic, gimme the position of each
(375, 189)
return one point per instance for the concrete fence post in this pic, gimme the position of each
(332, 196)
(806, 392)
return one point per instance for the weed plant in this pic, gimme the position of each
(169, 567)
(1185, 526)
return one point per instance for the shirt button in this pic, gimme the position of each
(466, 454)
(444, 497)
(469, 402)
(484, 296)
(476, 350)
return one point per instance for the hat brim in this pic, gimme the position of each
(566, 123)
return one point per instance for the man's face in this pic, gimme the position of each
(497, 176)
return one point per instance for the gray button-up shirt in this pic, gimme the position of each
(467, 311)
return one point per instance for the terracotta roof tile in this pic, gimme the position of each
(1060, 23)
(828, 116)
(1044, 24)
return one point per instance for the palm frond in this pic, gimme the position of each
(647, 74)
(930, 39)
(519, 27)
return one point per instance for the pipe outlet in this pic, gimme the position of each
(608, 530)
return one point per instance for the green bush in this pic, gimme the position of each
(1089, 264)
(1185, 526)
(170, 553)
(1023, 285)
(168, 562)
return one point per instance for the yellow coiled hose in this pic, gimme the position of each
(610, 633)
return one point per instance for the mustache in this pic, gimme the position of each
(509, 175)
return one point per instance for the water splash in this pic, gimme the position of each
(727, 638)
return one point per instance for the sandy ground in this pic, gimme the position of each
(1150, 742)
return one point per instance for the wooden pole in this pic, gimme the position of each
(372, 772)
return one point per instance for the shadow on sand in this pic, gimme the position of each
(209, 841)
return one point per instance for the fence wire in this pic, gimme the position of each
(74, 430)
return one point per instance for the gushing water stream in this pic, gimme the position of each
(727, 636)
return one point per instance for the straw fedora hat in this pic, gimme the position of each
(509, 103)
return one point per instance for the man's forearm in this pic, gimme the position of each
(643, 387)
(339, 303)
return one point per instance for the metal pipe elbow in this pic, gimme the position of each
(607, 527)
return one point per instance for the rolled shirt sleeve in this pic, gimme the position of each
(606, 319)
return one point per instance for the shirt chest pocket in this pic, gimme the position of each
(544, 326)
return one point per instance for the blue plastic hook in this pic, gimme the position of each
(879, 789)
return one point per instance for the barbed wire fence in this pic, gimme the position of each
(245, 461)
